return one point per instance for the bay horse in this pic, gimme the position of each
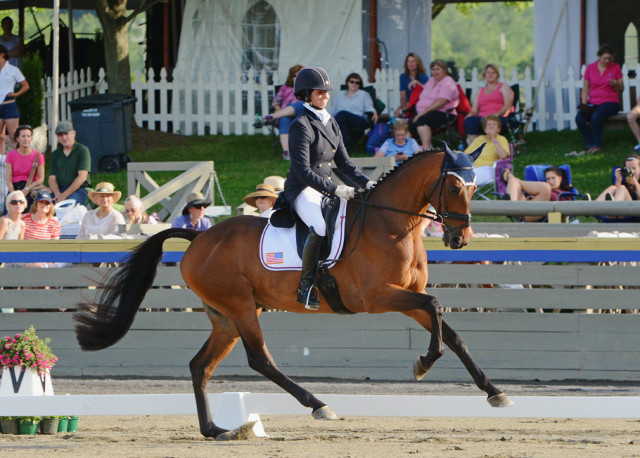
(384, 269)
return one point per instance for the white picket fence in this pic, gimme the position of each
(226, 104)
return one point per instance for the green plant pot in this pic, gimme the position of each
(72, 427)
(63, 424)
(11, 426)
(49, 425)
(28, 428)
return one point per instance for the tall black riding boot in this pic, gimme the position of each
(310, 255)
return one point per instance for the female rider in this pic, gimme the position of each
(315, 141)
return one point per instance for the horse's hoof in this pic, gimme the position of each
(244, 432)
(324, 413)
(499, 400)
(418, 370)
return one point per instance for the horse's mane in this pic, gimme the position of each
(403, 165)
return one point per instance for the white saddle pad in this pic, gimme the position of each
(278, 245)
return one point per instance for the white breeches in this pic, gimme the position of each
(308, 207)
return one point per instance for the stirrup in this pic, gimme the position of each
(308, 298)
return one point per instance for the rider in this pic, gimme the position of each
(315, 141)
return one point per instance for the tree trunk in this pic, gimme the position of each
(115, 26)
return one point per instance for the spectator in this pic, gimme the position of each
(193, 213)
(413, 74)
(401, 147)
(494, 98)
(263, 199)
(495, 147)
(70, 166)
(556, 183)
(25, 166)
(627, 181)
(134, 212)
(10, 76)
(11, 226)
(39, 222)
(632, 119)
(599, 98)
(104, 220)
(353, 109)
(12, 42)
(438, 100)
(276, 181)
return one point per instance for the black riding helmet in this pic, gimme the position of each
(310, 79)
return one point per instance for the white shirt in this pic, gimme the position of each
(9, 76)
(323, 115)
(92, 225)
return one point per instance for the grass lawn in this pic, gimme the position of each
(241, 162)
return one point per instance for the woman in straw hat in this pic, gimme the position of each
(263, 199)
(103, 220)
(193, 213)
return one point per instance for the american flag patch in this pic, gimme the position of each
(275, 258)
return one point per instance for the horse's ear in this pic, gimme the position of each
(448, 151)
(477, 152)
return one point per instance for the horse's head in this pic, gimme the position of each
(458, 183)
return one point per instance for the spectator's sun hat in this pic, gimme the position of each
(104, 188)
(275, 181)
(262, 190)
(63, 127)
(195, 199)
(44, 195)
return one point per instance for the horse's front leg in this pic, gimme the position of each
(425, 362)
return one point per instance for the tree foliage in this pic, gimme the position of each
(470, 35)
(30, 103)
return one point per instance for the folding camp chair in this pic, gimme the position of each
(621, 219)
(535, 172)
(497, 186)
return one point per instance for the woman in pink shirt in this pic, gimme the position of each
(20, 163)
(599, 98)
(438, 95)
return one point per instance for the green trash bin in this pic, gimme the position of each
(103, 124)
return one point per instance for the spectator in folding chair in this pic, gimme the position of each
(193, 213)
(413, 74)
(438, 100)
(495, 98)
(496, 147)
(632, 119)
(286, 108)
(353, 109)
(401, 147)
(626, 184)
(263, 199)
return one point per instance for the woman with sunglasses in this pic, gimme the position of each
(40, 223)
(193, 216)
(24, 165)
(11, 226)
(353, 108)
(315, 141)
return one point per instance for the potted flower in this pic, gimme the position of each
(29, 425)
(26, 352)
(49, 425)
(10, 425)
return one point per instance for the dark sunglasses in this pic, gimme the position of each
(355, 82)
(24, 126)
(16, 202)
(199, 206)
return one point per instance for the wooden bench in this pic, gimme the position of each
(515, 343)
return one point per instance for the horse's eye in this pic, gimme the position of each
(454, 189)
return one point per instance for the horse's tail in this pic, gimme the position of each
(103, 322)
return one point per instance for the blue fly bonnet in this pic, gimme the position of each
(460, 164)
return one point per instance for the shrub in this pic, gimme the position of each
(30, 103)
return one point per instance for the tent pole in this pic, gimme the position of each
(55, 77)
(70, 31)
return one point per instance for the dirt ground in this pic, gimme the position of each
(296, 436)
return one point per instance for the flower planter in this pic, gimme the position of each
(73, 424)
(63, 424)
(28, 427)
(49, 425)
(11, 426)
(27, 382)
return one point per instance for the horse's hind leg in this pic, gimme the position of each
(219, 344)
(495, 396)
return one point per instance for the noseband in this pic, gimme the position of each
(464, 217)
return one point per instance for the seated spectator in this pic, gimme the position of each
(517, 189)
(401, 147)
(495, 147)
(134, 212)
(276, 181)
(438, 96)
(39, 222)
(627, 181)
(632, 119)
(193, 213)
(353, 109)
(104, 220)
(11, 226)
(494, 98)
(413, 74)
(598, 98)
(24, 165)
(263, 199)
(70, 166)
